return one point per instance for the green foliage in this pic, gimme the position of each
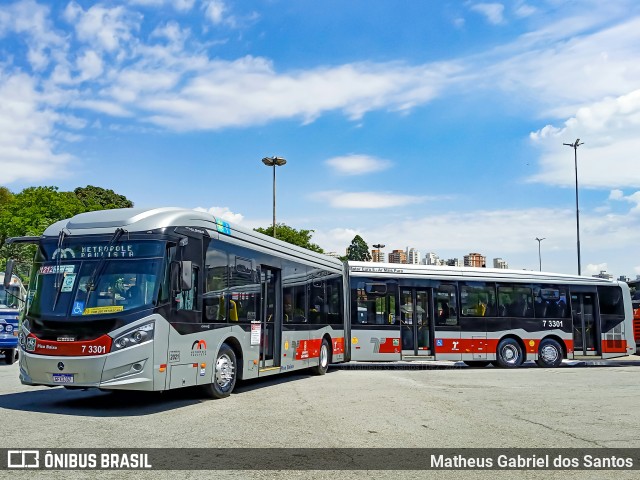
(32, 210)
(97, 198)
(301, 238)
(358, 250)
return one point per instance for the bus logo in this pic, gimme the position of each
(199, 348)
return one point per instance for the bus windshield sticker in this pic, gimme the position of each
(103, 310)
(78, 308)
(67, 284)
(50, 269)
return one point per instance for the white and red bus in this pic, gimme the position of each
(167, 298)
(483, 315)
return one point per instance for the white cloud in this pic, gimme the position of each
(357, 164)
(179, 5)
(523, 9)
(102, 27)
(608, 129)
(27, 146)
(31, 21)
(249, 91)
(224, 213)
(492, 11)
(214, 10)
(90, 65)
(366, 200)
(594, 269)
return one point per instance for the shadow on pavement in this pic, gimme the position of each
(97, 403)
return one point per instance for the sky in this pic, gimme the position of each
(434, 124)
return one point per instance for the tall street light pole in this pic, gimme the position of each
(274, 162)
(379, 246)
(539, 255)
(575, 146)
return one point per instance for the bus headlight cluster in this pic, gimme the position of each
(135, 336)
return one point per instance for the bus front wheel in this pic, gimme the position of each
(549, 354)
(225, 373)
(323, 361)
(509, 354)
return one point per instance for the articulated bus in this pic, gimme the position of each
(166, 298)
(482, 315)
(12, 295)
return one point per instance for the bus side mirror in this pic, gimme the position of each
(8, 273)
(181, 274)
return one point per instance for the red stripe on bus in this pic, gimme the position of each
(308, 349)
(390, 345)
(614, 346)
(337, 346)
(486, 345)
(87, 348)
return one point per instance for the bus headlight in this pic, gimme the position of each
(135, 336)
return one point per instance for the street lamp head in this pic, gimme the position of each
(540, 239)
(274, 161)
(378, 246)
(575, 144)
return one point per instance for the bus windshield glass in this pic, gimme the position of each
(96, 279)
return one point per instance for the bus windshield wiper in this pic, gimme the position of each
(98, 268)
(58, 281)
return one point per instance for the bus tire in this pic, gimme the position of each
(323, 360)
(225, 373)
(509, 354)
(550, 354)
(477, 363)
(10, 356)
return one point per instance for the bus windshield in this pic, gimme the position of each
(60, 287)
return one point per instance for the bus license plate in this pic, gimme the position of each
(63, 378)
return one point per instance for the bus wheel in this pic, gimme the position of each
(224, 374)
(509, 354)
(323, 361)
(476, 363)
(549, 353)
(10, 356)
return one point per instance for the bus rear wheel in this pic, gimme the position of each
(549, 354)
(10, 356)
(323, 361)
(509, 354)
(225, 374)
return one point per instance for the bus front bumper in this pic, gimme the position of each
(128, 369)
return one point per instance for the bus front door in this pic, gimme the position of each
(415, 327)
(585, 331)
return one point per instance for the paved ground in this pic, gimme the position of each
(447, 407)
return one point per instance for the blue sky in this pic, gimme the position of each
(437, 125)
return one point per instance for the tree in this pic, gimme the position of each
(97, 198)
(301, 238)
(358, 250)
(32, 210)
